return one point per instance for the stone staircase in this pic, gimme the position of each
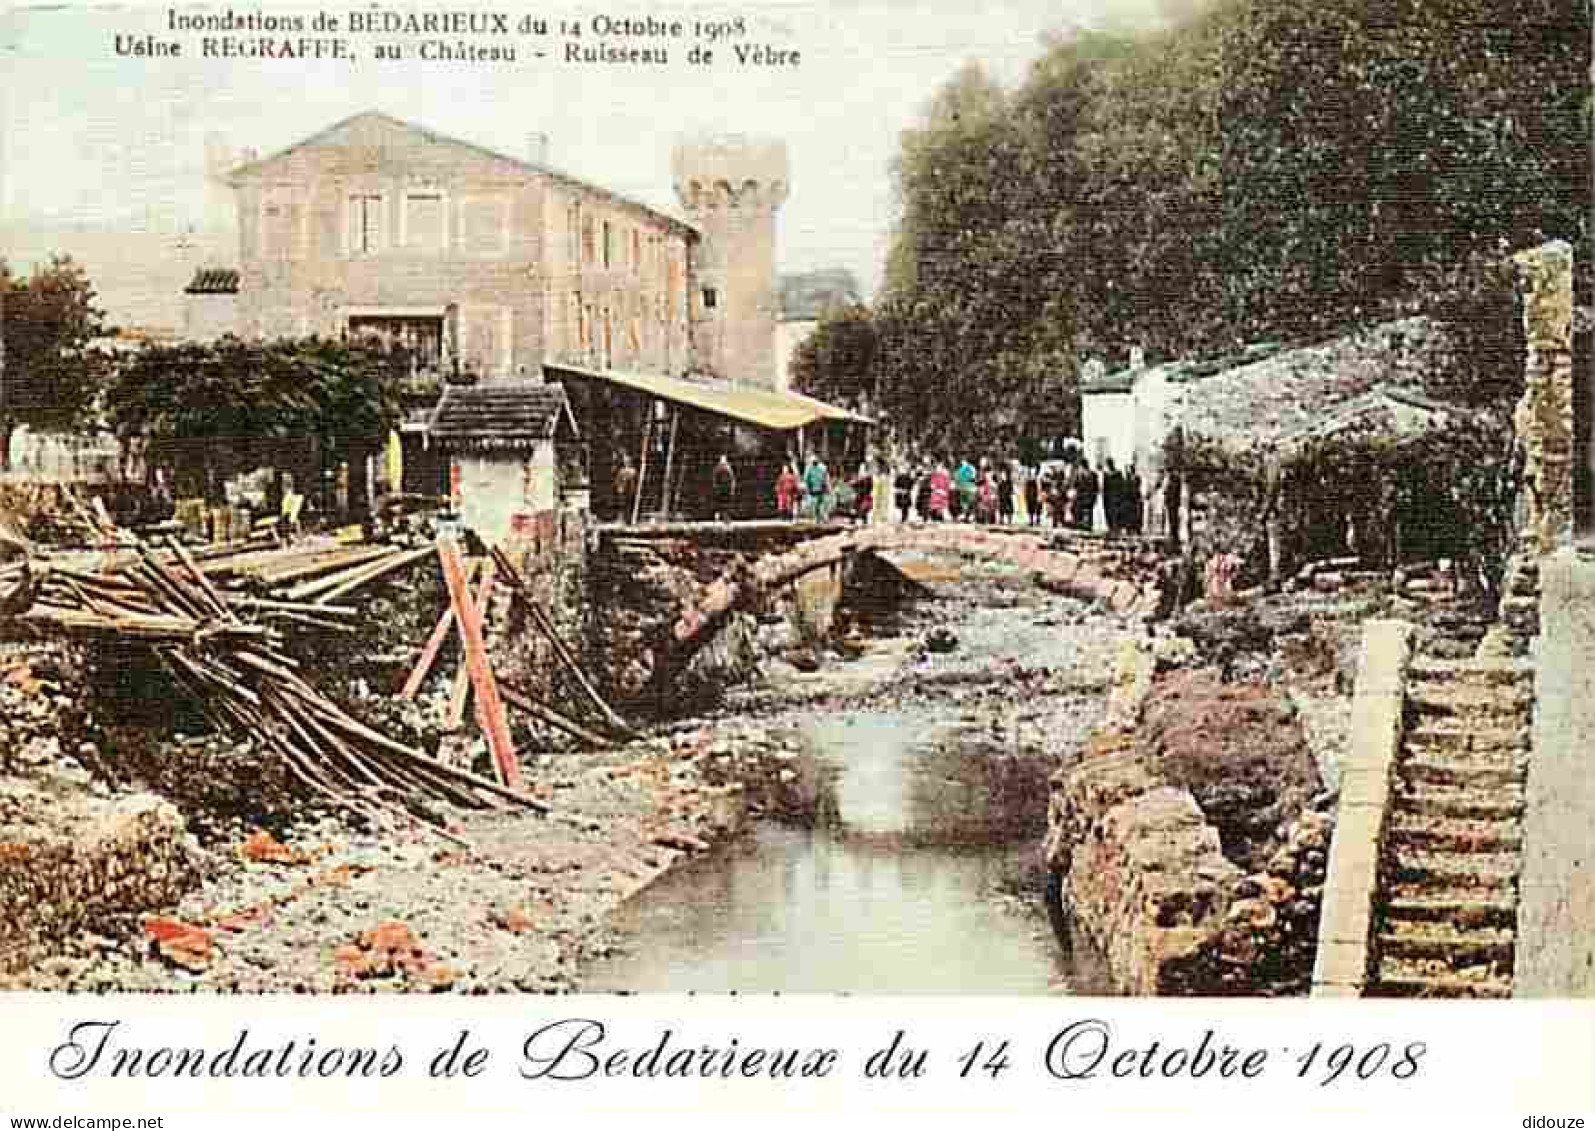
(1445, 914)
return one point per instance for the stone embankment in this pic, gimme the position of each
(1185, 837)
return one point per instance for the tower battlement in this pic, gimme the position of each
(731, 188)
(730, 170)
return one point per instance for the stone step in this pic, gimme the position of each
(1485, 673)
(1398, 979)
(1455, 834)
(1460, 734)
(1449, 801)
(1469, 699)
(1410, 864)
(1455, 889)
(1459, 911)
(1426, 770)
(1442, 943)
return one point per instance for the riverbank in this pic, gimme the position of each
(533, 903)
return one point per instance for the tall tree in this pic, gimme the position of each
(837, 361)
(53, 372)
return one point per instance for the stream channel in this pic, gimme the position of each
(920, 872)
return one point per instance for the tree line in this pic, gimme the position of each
(1264, 169)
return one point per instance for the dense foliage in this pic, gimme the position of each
(210, 409)
(1265, 169)
(53, 371)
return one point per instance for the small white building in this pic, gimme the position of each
(1108, 415)
(502, 439)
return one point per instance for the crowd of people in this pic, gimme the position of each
(1071, 493)
(1065, 494)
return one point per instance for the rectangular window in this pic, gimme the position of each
(423, 221)
(573, 249)
(365, 225)
(710, 298)
(636, 252)
(609, 250)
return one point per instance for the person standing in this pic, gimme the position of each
(966, 486)
(986, 499)
(1033, 497)
(903, 489)
(816, 488)
(786, 492)
(1005, 496)
(1112, 498)
(1132, 500)
(863, 493)
(1086, 492)
(941, 490)
(725, 489)
(625, 488)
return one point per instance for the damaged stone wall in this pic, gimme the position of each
(552, 557)
(1185, 836)
(636, 591)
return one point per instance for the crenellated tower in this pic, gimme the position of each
(731, 189)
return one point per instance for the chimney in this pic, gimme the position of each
(537, 147)
(1137, 358)
(1095, 370)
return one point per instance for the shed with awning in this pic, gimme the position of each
(672, 431)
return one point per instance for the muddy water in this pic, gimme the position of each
(899, 887)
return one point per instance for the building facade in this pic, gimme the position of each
(478, 262)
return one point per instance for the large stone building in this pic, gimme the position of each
(480, 262)
(493, 268)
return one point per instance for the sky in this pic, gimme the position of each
(93, 139)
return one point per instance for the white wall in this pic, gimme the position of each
(494, 489)
(1155, 415)
(1109, 418)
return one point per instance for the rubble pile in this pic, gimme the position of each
(234, 670)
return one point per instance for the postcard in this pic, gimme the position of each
(799, 555)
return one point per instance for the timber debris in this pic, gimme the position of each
(224, 646)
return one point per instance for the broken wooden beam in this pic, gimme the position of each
(458, 694)
(499, 743)
(553, 718)
(434, 645)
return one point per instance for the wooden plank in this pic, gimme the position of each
(554, 719)
(369, 574)
(312, 588)
(499, 743)
(462, 683)
(434, 644)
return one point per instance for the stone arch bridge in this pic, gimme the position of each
(1129, 575)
